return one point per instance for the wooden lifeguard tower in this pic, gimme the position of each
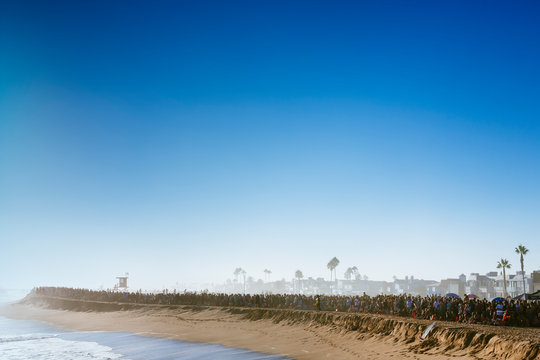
(122, 282)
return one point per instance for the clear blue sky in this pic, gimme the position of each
(180, 140)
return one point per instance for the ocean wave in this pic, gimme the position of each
(28, 337)
(45, 347)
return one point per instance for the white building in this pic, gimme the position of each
(514, 284)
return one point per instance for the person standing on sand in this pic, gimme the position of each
(318, 303)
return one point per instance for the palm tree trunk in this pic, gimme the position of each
(522, 274)
(504, 281)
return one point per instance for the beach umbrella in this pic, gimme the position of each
(452, 295)
(472, 296)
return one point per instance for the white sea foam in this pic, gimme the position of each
(37, 347)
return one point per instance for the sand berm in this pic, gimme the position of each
(297, 334)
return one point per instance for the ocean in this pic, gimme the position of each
(34, 340)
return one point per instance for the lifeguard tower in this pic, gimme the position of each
(122, 282)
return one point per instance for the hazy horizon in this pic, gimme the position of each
(181, 141)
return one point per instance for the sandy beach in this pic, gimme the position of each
(295, 334)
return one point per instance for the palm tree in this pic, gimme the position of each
(244, 276)
(237, 272)
(355, 272)
(336, 263)
(522, 250)
(332, 265)
(267, 274)
(504, 264)
(298, 274)
(348, 273)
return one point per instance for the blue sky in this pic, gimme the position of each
(180, 140)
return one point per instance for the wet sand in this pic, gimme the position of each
(295, 334)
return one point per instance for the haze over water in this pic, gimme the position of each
(181, 141)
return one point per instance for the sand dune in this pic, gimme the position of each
(297, 334)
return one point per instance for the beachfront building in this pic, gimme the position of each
(412, 286)
(361, 286)
(433, 289)
(315, 286)
(535, 281)
(514, 284)
(403, 286)
(482, 286)
(454, 286)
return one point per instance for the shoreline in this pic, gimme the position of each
(298, 334)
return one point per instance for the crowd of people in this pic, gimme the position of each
(506, 312)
